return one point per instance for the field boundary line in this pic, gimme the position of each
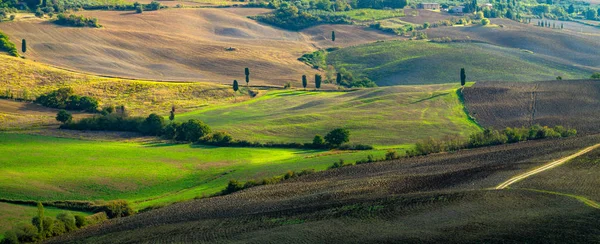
(545, 167)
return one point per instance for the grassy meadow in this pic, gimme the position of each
(406, 114)
(421, 62)
(49, 168)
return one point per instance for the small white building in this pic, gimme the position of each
(457, 9)
(487, 5)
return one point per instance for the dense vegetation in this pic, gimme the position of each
(193, 130)
(65, 98)
(7, 46)
(77, 21)
(42, 227)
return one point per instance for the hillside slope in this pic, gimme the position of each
(179, 44)
(425, 199)
(421, 62)
(574, 104)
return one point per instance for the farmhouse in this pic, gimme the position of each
(428, 6)
(457, 10)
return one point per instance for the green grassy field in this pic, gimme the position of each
(421, 62)
(406, 114)
(13, 213)
(48, 168)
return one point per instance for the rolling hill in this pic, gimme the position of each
(421, 62)
(424, 199)
(179, 44)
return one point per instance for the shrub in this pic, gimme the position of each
(7, 46)
(64, 98)
(219, 138)
(153, 125)
(26, 232)
(391, 155)
(170, 131)
(10, 237)
(485, 21)
(232, 187)
(63, 116)
(596, 75)
(117, 209)
(76, 21)
(318, 141)
(193, 130)
(337, 137)
(339, 164)
(68, 220)
(58, 228)
(96, 218)
(80, 221)
(48, 226)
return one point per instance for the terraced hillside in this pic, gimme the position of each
(424, 199)
(179, 44)
(421, 62)
(574, 104)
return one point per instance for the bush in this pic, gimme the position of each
(48, 226)
(63, 116)
(10, 237)
(58, 228)
(26, 232)
(485, 21)
(76, 21)
(219, 138)
(391, 155)
(153, 125)
(170, 131)
(193, 130)
(339, 164)
(80, 221)
(64, 98)
(7, 46)
(68, 220)
(117, 209)
(596, 75)
(337, 137)
(96, 218)
(318, 141)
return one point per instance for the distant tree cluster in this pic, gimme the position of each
(345, 78)
(65, 98)
(76, 21)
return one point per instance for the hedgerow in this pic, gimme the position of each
(7, 46)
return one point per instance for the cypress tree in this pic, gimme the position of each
(235, 89)
(318, 81)
(332, 35)
(247, 72)
(24, 46)
(172, 116)
(338, 79)
(304, 81)
(463, 77)
(40, 208)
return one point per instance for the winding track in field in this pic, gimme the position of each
(545, 167)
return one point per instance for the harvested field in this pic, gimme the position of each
(422, 199)
(574, 104)
(425, 16)
(578, 177)
(179, 44)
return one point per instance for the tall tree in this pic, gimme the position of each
(338, 79)
(24, 46)
(40, 208)
(172, 115)
(571, 9)
(318, 81)
(304, 82)
(463, 77)
(235, 89)
(247, 72)
(333, 36)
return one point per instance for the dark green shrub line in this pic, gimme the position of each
(7, 46)
(65, 98)
(77, 21)
(235, 186)
(113, 209)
